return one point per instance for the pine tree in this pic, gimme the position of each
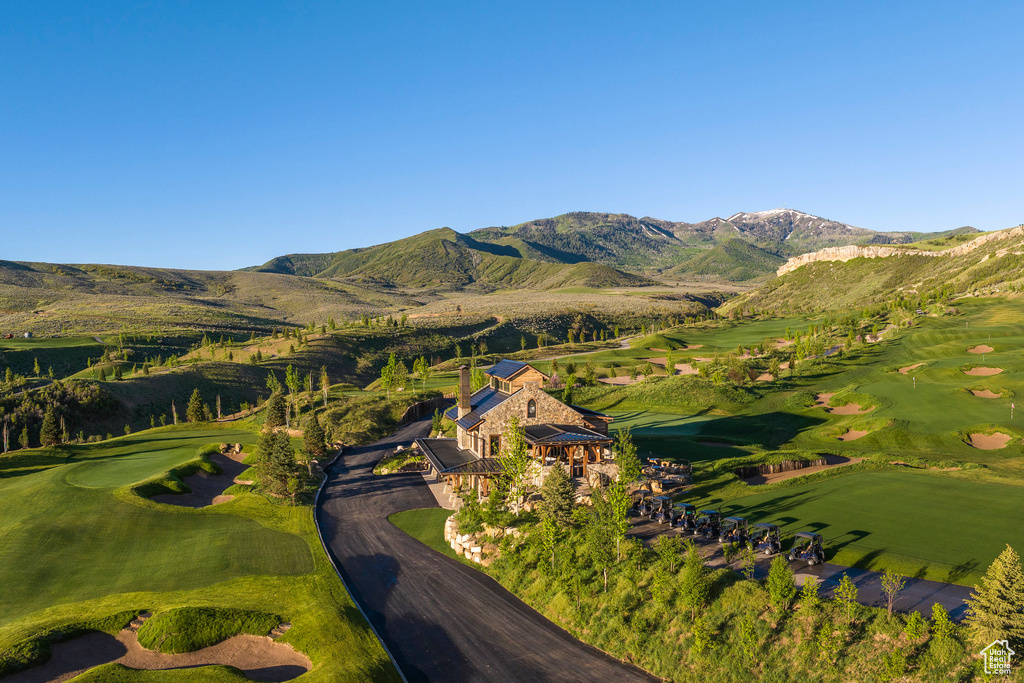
(313, 438)
(49, 433)
(995, 610)
(559, 496)
(275, 416)
(276, 465)
(196, 410)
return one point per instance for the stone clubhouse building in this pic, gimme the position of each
(557, 434)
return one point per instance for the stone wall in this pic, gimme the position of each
(474, 547)
(853, 251)
(549, 411)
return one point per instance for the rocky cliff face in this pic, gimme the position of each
(855, 251)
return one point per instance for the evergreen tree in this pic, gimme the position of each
(314, 440)
(103, 375)
(23, 437)
(275, 415)
(276, 463)
(781, 587)
(196, 411)
(49, 433)
(118, 375)
(694, 585)
(559, 496)
(995, 610)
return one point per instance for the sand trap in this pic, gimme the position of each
(784, 365)
(990, 442)
(984, 393)
(624, 379)
(983, 372)
(823, 400)
(832, 460)
(853, 434)
(907, 369)
(717, 444)
(850, 409)
(981, 348)
(208, 489)
(259, 657)
(765, 377)
(681, 368)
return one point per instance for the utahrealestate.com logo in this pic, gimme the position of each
(997, 657)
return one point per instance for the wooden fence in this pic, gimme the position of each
(784, 466)
(423, 408)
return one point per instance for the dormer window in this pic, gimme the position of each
(531, 408)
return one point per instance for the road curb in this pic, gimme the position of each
(323, 544)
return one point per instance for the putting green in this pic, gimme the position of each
(926, 524)
(64, 543)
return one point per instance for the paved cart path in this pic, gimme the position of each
(918, 594)
(441, 620)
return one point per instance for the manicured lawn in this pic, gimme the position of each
(425, 525)
(928, 524)
(76, 544)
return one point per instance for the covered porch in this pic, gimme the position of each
(574, 445)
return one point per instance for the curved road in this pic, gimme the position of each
(441, 620)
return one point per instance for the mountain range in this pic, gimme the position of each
(622, 250)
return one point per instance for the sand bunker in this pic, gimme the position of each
(850, 409)
(681, 368)
(983, 372)
(853, 435)
(984, 393)
(990, 442)
(624, 379)
(907, 369)
(981, 348)
(208, 489)
(260, 657)
(823, 400)
(765, 377)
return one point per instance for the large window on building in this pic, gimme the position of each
(495, 445)
(531, 408)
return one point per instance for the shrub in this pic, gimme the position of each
(192, 628)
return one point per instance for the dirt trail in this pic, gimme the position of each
(208, 489)
(260, 657)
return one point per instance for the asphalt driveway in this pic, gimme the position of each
(441, 620)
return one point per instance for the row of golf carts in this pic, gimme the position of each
(709, 524)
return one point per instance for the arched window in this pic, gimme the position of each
(531, 408)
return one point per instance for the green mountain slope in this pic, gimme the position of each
(735, 260)
(990, 263)
(445, 259)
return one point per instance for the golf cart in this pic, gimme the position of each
(808, 548)
(709, 524)
(765, 537)
(684, 516)
(734, 530)
(660, 508)
(642, 501)
(684, 470)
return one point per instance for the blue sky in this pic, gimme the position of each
(221, 134)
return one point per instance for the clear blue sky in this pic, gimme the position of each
(221, 134)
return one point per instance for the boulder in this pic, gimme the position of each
(468, 555)
(475, 549)
(476, 557)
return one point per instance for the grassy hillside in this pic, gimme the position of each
(735, 260)
(995, 267)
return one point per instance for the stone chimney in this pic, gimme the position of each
(464, 407)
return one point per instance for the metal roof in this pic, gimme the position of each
(447, 458)
(480, 402)
(504, 369)
(562, 434)
(481, 466)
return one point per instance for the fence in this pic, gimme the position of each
(423, 408)
(784, 466)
